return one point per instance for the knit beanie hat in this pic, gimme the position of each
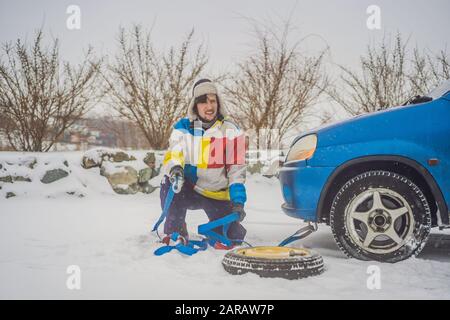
(202, 87)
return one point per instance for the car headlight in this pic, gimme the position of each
(303, 149)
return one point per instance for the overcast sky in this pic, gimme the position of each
(221, 24)
(224, 25)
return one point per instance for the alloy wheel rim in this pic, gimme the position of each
(379, 220)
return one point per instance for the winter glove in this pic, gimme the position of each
(239, 208)
(176, 178)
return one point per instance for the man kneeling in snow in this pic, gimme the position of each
(207, 152)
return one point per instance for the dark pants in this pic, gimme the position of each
(186, 199)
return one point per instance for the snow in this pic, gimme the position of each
(44, 230)
(119, 167)
(113, 168)
(15, 170)
(95, 154)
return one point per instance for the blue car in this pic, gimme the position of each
(381, 180)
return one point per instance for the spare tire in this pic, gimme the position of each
(274, 262)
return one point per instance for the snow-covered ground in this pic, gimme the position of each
(108, 237)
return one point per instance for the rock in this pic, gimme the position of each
(255, 168)
(150, 159)
(157, 171)
(6, 179)
(21, 178)
(127, 180)
(146, 187)
(10, 195)
(273, 169)
(66, 163)
(103, 171)
(118, 156)
(127, 176)
(145, 175)
(126, 189)
(95, 157)
(88, 163)
(123, 181)
(30, 162)
(54, 175)
(122, 156)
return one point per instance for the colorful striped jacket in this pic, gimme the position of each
(213, 159)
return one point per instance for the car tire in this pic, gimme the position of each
(290, 263)
(380, 215)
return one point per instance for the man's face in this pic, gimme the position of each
(208, 110)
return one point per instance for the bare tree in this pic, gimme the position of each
(40, 96)
(152, 88)
(389, 76)
(275, 84)
(428, 70)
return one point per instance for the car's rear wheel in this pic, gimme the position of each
(380, 215)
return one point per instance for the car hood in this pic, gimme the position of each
(372, 126)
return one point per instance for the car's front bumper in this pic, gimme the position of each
(301, 187)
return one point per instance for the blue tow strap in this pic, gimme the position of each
(211, 237)
(298, 235)
(189, 249)
(165, 211)
(193, 246)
